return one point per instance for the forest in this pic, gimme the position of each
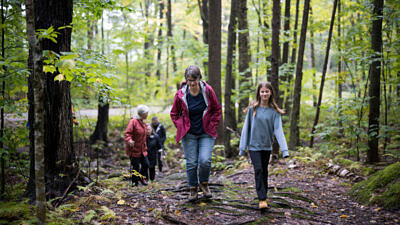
(75, 72)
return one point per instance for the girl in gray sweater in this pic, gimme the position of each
(263, 122)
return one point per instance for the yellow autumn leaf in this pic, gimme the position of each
(121, 202)
(313, 205)
(150, 209)
(203, 203)
(177, 212)
(275, 189)
(59, 77)
(343, 216)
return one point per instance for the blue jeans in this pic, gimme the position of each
(198, 152)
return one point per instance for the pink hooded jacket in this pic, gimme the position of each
(180, 112)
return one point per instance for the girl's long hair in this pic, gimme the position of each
(271, 101)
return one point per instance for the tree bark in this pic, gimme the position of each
(275, 56)
(286, 28)
(244, 57)
(340, 76)
(321, 87)
(38, 84)
(203, 6)
(295, 116)
(60, 160)
(374, 86)
(169, 34)
(229, 112)
(3, 87)
(159, 38)
(214, 56)
(312, 49)
(289, 99)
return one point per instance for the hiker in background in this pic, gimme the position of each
(135, 145)
(196, 114)
(263, 121)
(160, 131)
(153, 143)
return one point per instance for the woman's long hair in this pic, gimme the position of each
(271, 101)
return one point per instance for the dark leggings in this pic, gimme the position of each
(139, 163)
(152, 173)
(260, 160)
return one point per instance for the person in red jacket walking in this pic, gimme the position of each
(196, 114)
(135, 145)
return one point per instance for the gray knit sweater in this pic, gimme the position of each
(258, 132)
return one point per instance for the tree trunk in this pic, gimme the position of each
(3, 87)
(340, 76)
(286, 29)
(203, 6)
(169, 34)
(321, 87)
(244, 57)
(60, 160)
(38, 84)
(214, 56)
(148, 39)
(229, 112)
(101, 130)
(275, 56)
(295, 116)
(312, 49)
(159, 39)
(374, 86)
(289, 99)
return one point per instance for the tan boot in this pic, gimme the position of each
(263, 204)
(193, 194)
(205, 189)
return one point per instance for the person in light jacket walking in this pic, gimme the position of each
(263, 122)
(196, 114)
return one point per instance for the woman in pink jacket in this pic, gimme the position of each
(196, 114)
(135, 145)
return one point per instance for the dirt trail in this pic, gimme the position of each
(304, 195)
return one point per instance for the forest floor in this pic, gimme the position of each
(305, 194)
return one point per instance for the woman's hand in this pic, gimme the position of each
(131, 143)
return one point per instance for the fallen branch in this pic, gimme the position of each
(172, 219)
(69, 186)
(233, 131)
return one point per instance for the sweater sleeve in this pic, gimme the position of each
(245, 137)
(280, 137)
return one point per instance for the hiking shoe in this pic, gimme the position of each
(193, 194)
(263, 204)
(143, 181)
(205, 189)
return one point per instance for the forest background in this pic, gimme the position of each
(335, 65)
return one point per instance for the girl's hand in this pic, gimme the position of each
(131, 143)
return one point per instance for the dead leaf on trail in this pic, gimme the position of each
(343, 216)
(275, 189)
(313, 205)
(203, 203)
(150, 209)
(177, 212)
(377, 209)
(288, 214)
(121, 202)
(396, 220)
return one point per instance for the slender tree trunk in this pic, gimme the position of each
(101, 129)
(340, 76)
(38, 83)
(295, 116)
(203, 6)
(244, 56)
(229, 112)
(171, 42)
(148, 40)
(289, 99)
(214, 56)
(159, 38)
(3, 87)
(321, 87)
(61, 165)
(286, 29)
(275, 56)
(312, 49)
(374, 86)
